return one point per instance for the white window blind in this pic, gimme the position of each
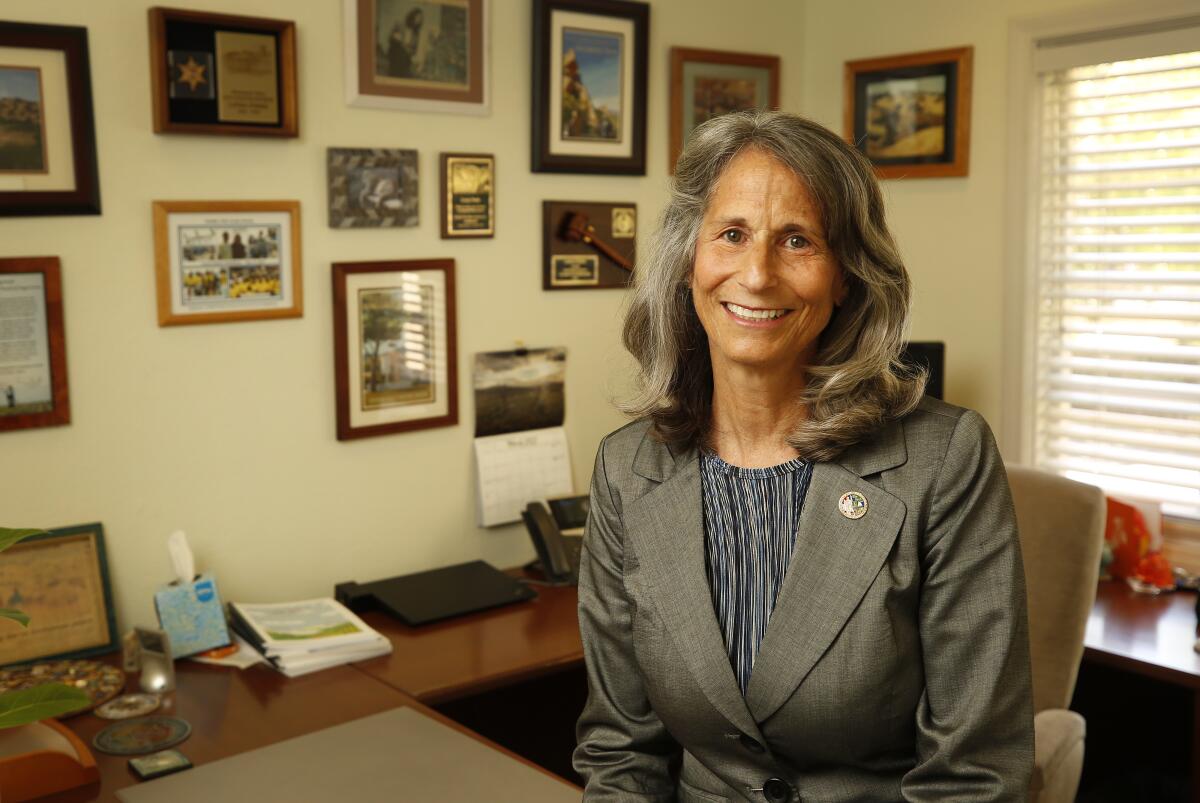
(1118, 248)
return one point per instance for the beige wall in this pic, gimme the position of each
(227, 431)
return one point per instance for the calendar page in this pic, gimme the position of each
(517, 468)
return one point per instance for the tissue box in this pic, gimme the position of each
(192, 615)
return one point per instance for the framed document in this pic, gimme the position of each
(33, 350)
(60, 580)
(589, 86)
(395, 359)
(219, 261)
(222, 74)
(468, 197)
(47, 134)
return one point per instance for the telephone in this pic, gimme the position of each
(556, 527)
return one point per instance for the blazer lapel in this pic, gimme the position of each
(667, 531)
(832, 565)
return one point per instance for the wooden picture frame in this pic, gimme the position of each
(60, 580)
(49, 167)
(589, 58)
(588, 245)
(408, 379)
(207, 273)
(911, 114)
(222, 74)
(398, 76)
(467, 196)
(708, 83)
(33, 391)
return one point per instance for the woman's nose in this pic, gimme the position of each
(757, 272)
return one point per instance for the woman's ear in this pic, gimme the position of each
(841, 289)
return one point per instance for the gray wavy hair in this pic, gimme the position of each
(858, 381)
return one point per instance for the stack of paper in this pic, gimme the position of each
(302, 637)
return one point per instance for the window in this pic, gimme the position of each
(1117, 348)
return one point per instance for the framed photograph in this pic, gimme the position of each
(417, 55)
(47, 133)
(219, 261)
(709, 83)
(395, 363)
(911, 114)
(468, 195)
(223, 74)
(60, 579)
(33, 359)
(589, 86)
(373, 188)
(588, 245)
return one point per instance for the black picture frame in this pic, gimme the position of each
(84, 197)
(552, 152)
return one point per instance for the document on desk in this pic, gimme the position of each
(516, 468)
(397, 755)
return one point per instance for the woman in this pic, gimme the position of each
(800, 579)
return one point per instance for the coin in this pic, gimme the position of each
(128, 705)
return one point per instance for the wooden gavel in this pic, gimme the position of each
(576, 228)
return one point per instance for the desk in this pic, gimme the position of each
(1150, 637)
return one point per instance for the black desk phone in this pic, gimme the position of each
(556, 527)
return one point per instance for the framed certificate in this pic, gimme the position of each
(33, 353)
(468, 197)
(222, 74)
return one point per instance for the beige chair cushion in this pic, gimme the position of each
(1058, 749)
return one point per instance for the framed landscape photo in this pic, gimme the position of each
(33, 354)
(911, 114)
(589, 86)
(395, 359)
(709, 83)
(223, 74)
(417, 55)
(373, 188)
(468, 195)
(219, 261)
(47, 131)
(60, 580)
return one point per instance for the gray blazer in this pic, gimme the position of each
(895, 665)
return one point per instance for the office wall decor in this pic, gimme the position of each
(911, 114)
(589, 86)
(709, 83)
(588, 245)
(372, 188)
(417, 55)
(468, 195)
(222, 74)
(395, 359)
(219, 261)
(48, 147)
(33, 364)
(61, 581)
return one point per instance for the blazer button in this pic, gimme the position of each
(777, 791)
(748, 743)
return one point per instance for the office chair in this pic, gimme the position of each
(1062, 531)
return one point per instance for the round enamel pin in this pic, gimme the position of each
(853, 505)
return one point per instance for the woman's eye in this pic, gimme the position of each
(796, 241)
(731, 236)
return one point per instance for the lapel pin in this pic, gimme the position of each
(853, 505)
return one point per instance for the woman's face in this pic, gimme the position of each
(763, 281)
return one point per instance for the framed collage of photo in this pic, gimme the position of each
(47, 132)
(417, 55)
(395, 358)
(222, 74)
(911, 114)
(468, 195)
(219, 261)
(60, 580)
(709, 83)
(373, 188)
(589, 86)
(33, 362)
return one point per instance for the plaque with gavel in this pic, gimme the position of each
(588, 244)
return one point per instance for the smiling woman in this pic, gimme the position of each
(790, 536)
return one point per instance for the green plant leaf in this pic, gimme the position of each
(40, 702)
(9, 537)
(15, 615)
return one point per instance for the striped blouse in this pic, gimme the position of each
(750, 519)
